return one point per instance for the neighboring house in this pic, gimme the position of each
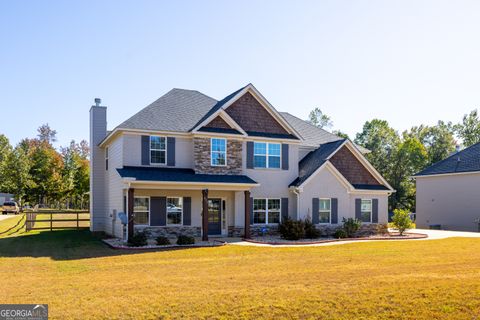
(448, 192)
(5, 197)
(189, 164)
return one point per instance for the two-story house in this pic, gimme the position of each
(189, 164)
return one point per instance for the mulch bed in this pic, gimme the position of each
(115, 243)
(391, 236)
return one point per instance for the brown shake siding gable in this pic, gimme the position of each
(218, 122)
(252, 116)
(351, 168)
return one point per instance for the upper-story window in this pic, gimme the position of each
(218, 152)
(158, 150)
(266, 155)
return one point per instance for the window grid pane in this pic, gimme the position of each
(174, 210)
(141, 207)
(266, 211)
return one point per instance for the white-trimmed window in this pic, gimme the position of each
(366, 210)
(106, 158)
(141, 210)
(324, 210)
(174, 211)
(218, 152)
(158, 150)
(266, 155)
(266, 211)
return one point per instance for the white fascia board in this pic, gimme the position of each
(445, 174)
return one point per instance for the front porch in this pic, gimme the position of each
(206, 211)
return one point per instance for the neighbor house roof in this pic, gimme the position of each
(467, 160)
(180, 175)
(314, 159)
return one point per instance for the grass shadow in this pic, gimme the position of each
(59, 245)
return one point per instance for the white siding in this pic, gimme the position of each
(133, 151)
(114, 187)
(453, 201)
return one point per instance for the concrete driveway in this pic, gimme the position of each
(6, 216)
(442, 234)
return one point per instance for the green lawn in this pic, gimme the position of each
(81, 278)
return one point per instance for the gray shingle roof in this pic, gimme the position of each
(312, 135)
(313, 160)
(467, 160)
(177, 110)
(179, 175)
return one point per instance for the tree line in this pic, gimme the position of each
(398, 156)
(38, 174)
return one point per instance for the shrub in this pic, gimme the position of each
(139, 239)
(291, 229)
(340, 234)
(311, 232)
(350, 226)
(185, 240)
(401, 220)
(162, 241)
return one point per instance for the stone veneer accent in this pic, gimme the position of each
(201, 150)
(349, 166)
(252, 116)
(325, 230)
(170, 232)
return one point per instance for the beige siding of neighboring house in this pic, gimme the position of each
(452, 201)
(326, 185)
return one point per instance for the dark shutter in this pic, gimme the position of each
(158, 211)
(251, 210)
(284, 156)
(249, 154)
(358, 209)
(170, 151)
(124, 204)
(315, 206)
(145, 150)
(334, 208)
(284, 208)
(375, 211)
(187, 211)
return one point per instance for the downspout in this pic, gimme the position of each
(297, 191)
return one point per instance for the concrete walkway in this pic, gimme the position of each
(432, 235)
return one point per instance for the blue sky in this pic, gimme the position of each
(409, 62)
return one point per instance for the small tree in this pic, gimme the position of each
(401, 220)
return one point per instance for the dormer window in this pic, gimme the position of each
(266, 155)
(218, 152)
(158, 150)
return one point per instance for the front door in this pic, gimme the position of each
(214, 216)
